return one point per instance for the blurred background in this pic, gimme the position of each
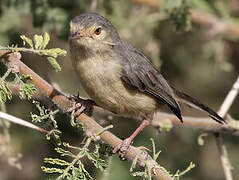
(195, 44)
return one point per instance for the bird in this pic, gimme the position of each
(119, 78)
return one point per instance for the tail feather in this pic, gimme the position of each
(194, 103)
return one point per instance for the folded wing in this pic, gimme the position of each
(139, 73)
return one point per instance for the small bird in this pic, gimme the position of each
(119, 78)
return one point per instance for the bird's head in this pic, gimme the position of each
(93, 32)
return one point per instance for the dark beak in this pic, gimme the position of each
(76, 35)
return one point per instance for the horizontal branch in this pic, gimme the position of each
(205, 124)
(160, 118)
(214, 24)
(151, 3)
(12, 60)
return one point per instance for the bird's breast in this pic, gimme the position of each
(101, 80)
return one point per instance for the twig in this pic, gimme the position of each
(218, 138)
(226, 165)
(5, 136)
(13, 59)
(229, 99)
(21, 122)
(93, 6)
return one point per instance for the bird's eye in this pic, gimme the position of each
(98, 31)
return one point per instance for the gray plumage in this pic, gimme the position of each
(138, 72)
(117, 76)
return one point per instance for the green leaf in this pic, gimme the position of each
(155, 154)
(55, 52)
(27, 90)
(201, 141)
(51, 170)
(95, 159)
(76, 173)
(179, 174)
(148, 169)
(22, 86)
(180, 17)
(64, 152)
(38, 40)
(3, 97)
(5, 91)
(54, 64)
(85, 173)
(56, 161)
(46, 39)
(138, 174)
(54, 133)
(26, 40)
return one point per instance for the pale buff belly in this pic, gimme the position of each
(102, 83)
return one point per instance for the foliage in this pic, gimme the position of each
(178, 12)
(47, 116)
(5, 92)
(75, 169)
(37, 46)
(146, 174)
(180, 17)
(26, 90)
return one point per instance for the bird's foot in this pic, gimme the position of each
(123, 148)
(80, 105)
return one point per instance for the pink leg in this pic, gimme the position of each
(124, 146)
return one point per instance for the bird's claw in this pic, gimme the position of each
(123, 148)
(80, 105)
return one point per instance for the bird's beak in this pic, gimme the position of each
(76, 35)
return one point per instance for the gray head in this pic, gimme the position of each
(91, 30)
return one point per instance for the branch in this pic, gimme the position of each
(205, 124)
(214, 24)
(21, 122)
(94, 5)
(229, 99)
(161, 118)
(12, 60)
(218, 138)
(226, 165)
(152, 3)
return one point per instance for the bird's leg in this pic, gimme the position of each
(124, 146)
(80, 105)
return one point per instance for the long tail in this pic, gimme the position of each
(194, 103)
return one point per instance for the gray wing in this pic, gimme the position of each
(139, 73)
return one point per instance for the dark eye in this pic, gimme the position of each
(98, 31)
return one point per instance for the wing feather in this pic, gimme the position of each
(139, 73)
